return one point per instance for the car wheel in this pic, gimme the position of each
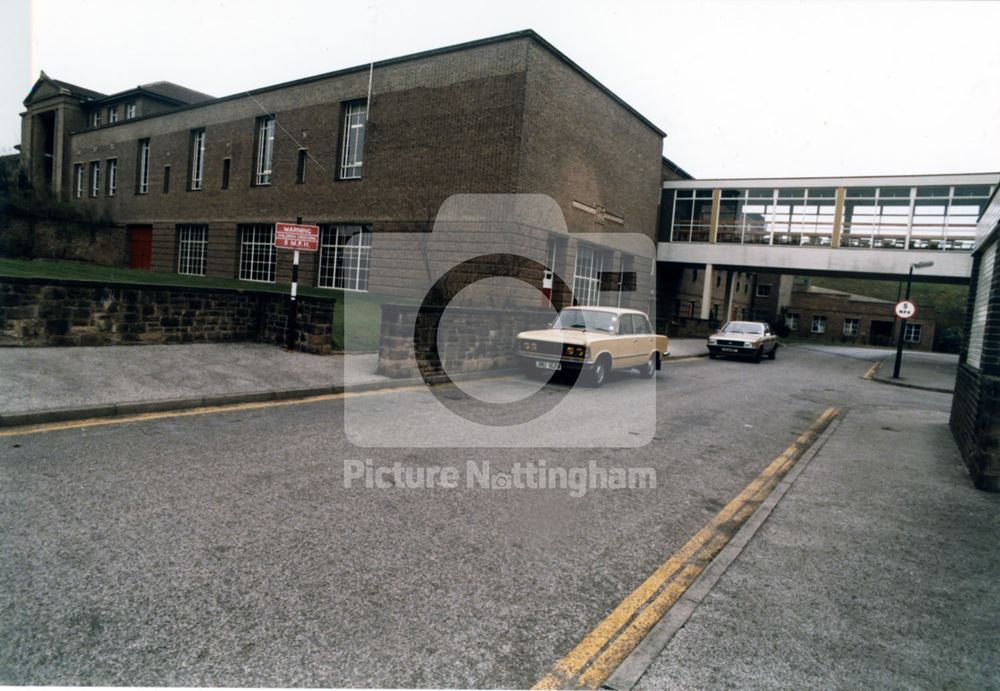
(759, 355)
(599, 373)
(773, 353)
(649, 371)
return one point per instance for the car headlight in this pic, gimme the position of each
(713, 340)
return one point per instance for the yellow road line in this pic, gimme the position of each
(616, 636)
(872, 370)
(205, 410)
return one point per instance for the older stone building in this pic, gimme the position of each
(198, 182)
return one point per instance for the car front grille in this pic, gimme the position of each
(738, 344)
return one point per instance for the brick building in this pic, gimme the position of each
(198, 182)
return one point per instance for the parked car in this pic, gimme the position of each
(596, 341)
(743, 339)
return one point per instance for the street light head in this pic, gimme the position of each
(921, 265)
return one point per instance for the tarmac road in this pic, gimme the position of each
(224, 549)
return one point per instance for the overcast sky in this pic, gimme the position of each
(741, 88)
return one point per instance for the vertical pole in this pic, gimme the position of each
(292, 303)
(902, 330)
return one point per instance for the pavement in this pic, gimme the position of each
(48, 384)
(918, 370)
(225, 548)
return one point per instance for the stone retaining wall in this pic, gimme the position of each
(36, 312)
(469, 340)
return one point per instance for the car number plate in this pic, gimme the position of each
(548, 365)
(730, 350)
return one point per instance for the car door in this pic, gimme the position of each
(628, 342)
(644, 337)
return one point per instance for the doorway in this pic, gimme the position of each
(140, 247)
(881, 333)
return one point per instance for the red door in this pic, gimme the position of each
(140, 247)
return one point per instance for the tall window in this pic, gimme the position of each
(587, 277)
(166, 179)
(300, 166)
(911, 333)
(226, 164)
(78, 177)
(851, 327)
(191, 243)
(819, 324)
(95, 178)
(129, 111)
(257, 253)
(95, 119)
(343, 257)
(353, 144)
(265, 150)
(142, 180)
(112, 176)
(197, 158)
(112, 113)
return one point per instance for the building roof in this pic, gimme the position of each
(64, 88)
(178, 93)
(677, 169)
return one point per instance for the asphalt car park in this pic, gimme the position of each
(224, 549)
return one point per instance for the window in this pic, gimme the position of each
(851, 327)
(353, 144)
(343, 257)
(112, 113)
(142, 179)
(718, 280)
(694, 275)
(265, 150)
(819, 324)
(191, 243)
(78, 177)
(112, 176)
(197, 158)
(300, 166)
(257, 254)
(166, 179)
(792, 321)
(95, 178)
(763, 291)
(225, 172)
(95, 119)
(552, 253)
(587, 278)
(129, 111)
(911, 333)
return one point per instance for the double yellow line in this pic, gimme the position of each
(595, 657)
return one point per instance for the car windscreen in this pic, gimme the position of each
(732, 328)
(588, 320)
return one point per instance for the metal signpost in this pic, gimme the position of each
(299, 238)
(905, 310)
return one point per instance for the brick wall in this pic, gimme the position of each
(469, 340)
(975, 409)
(34, 312)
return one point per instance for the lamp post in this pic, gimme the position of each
(902, 327)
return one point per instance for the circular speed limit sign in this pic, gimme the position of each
(905, 309)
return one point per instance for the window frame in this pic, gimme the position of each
(264, 152)
(588, 286)
(142, 167)
(262, 253)
(130, 110)
(765, 287)
(792, 320)
(111, 179)
(909, 329)
(95, 179)
(192, 250)
(78, 180)
(855, 326)
(197, 173)
(112, 114)
(352, 145)
(343, 259)
(820, 321)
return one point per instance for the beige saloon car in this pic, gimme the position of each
(751, 340)
(595, 341)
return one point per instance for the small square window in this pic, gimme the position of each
(819, 324)
(763, 291)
